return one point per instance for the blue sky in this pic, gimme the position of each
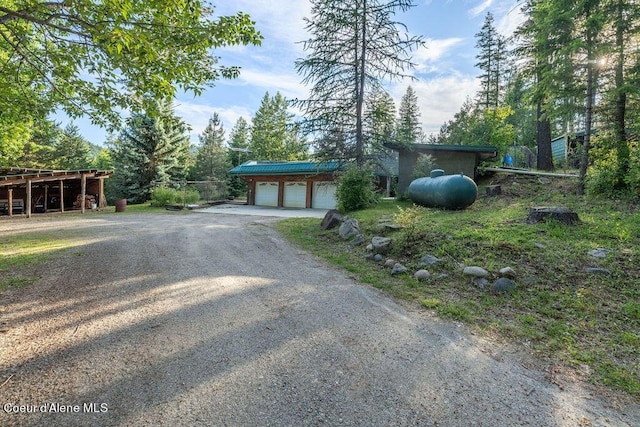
(445, 74)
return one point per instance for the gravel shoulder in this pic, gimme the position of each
(214, 319)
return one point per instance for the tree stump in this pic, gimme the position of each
(494, 190)
(558, 213)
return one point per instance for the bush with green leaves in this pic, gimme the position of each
(356, 189)
(161, 196)
(605, 177)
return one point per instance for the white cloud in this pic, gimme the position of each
(436, 49)
(197, 116)
(287, 83)
(438, 98)
(510, 19)
(277, 20)
(481, 8)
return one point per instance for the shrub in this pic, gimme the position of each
(190, 196)
(161, 196)
(356, 189)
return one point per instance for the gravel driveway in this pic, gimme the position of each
(214, 319)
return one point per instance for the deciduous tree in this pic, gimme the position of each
(96, 57)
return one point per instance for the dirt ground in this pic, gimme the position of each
(214, 319)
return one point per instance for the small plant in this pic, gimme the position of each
(430, 302)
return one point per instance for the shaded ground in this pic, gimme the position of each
(204, 319)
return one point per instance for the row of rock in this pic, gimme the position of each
(349, 229)
(379, 246)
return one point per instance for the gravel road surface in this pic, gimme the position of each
(214, 319)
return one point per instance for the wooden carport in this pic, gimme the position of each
(24, 189)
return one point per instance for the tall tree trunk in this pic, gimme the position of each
(621, 144)
(360, 65)
(588, 118)
(543, 140)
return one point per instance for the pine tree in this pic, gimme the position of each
(408, 129)
(491, 58)
(71, 151)
(151, 150)
(379, 121)
(211, 157)
(273, 134)
(354, 44)
(237, 154)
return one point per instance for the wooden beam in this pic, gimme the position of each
(527, 172)
(280, 194)
(28, 198)
(309, 194)
(102, 202)
(61, 195)
(10, 201)
(83, 192)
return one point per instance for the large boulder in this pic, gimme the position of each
(380, 245)
(332, 219)
(349, 228)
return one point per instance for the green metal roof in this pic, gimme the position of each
(254, 167)
(445, 147)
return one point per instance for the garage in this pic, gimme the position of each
(324, 195)
(300, 184)
(295, 194)
(266, 194)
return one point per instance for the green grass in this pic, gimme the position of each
(558, 310)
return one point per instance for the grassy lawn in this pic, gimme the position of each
(558, 310)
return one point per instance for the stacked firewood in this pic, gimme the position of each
(89, 201)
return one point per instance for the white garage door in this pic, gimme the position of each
(324, 195)
(266, 194)
(295, 195)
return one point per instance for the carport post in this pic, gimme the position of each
(10, 201)
(83, 191)
(28, 198)
(61, 195)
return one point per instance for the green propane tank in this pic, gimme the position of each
(443, 191)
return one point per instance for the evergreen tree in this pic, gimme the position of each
(354, 44)
(237, 154)
(71, 150)
(491, 58)
(211, 161)
(151, 150)
(238, 151)
(379, 121)
(408, 129)
(273, 134)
